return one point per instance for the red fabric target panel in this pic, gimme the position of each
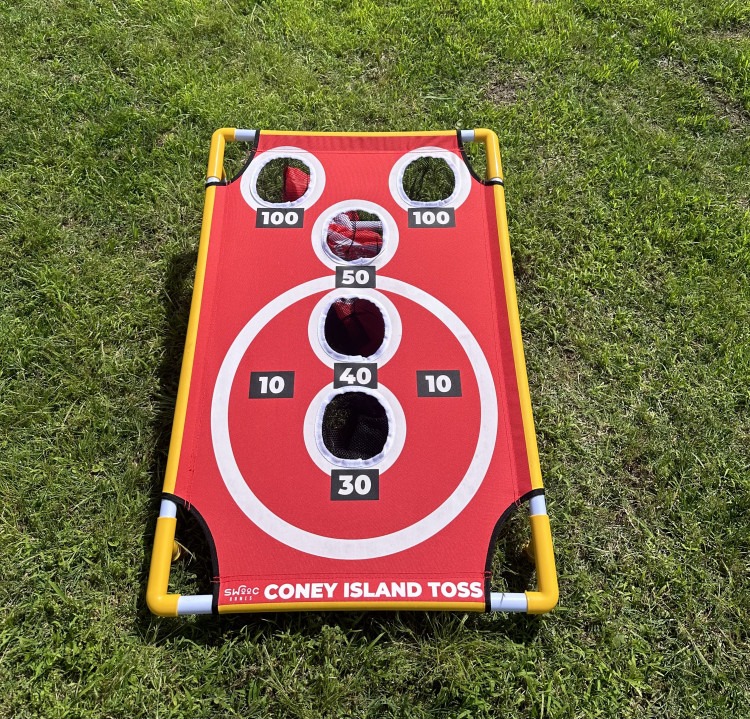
(349, 428)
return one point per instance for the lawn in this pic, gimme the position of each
(625, 130)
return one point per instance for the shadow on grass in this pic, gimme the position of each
(192, 574)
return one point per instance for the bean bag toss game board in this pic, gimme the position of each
(353, 422)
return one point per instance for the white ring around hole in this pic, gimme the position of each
(391, 318)
(368, 547)
(461, 175)
(320, 230)
(249, 179)
(320, 454)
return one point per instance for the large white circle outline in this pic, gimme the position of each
(369, 547)
(320, 229)
(460, 173)
(327, 461)
(249, 179)
(391, 319)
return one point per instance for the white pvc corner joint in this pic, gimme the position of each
(245, 135)
(168, 508)
(467, 135)
(195, 604)
(537, 505)
(508, 602)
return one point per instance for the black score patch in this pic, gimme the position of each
(439, 383)
(355, 484)
(355, 374)
(355, 276)
(430, 217)
(271, 385)
(279, 218)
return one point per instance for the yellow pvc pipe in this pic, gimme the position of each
(158, 598)
(547, 594)
(215, 162)
(494, 169)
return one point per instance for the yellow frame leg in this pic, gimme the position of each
(547, 594)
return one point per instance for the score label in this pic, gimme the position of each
(355, 374)
(279, 218)
(355, 276)
(355, 484)
(271, 385)
(439, 383)
(432, 217)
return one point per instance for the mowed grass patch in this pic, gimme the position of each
(624, 129)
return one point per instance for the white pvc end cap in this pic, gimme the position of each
(244, 135)
(196, 604)
(508, 602)
(168, 508)
(537, 505)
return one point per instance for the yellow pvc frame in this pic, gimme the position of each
(158, 598)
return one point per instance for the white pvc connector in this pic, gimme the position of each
(245, 135)
(467, 135)
(196, 604)
(508, 602)
(537, 505)
(168, 508)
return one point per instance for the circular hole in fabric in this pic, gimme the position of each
(354, 327)
(355, 235)
(283, 179)
(355, 426)
(428, 179)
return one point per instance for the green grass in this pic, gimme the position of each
(626, 146)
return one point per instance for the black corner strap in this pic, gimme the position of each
(214, 183)
(496, 533)
(472, 171)
(180, 502)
